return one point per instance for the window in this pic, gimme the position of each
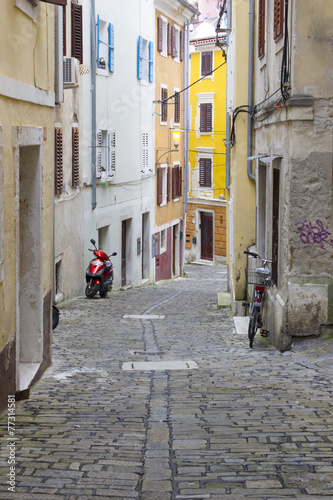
(145, 60)
(106, 153)
(205, 172)
(75, 158)
(58, 168)
(261, 29)
(105, 45)
(278, 19)
(77, 49)
(206, 63)
(176, 182)
(206, 117)
(162, 178)
(177, 107)
(164, 104)
(162, 36)
(163, 245)
(144, 152)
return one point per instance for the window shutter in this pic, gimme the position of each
(75, 158)
(261, 29)
(140, 57)
(181, 57)
(173, 41)
(99, 154)
(164, 105)
(77, 51)
(206, 63)
(98, 40)
(278, 19)
(144, 152)
(206, 117)
(151, 62)
(205, 172)
(177, 108)
(174, 183)
(180, 193)
(169, 184)
(58, 168)
(159, 34)
(111, 47)
(111, 153)
(64, 30)
(169, 40)
(159, 186)
(55, 2)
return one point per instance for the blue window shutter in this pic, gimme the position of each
(97, 25)
(151, 61)
(140, 56)
(111, 47)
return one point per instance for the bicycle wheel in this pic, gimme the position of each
(253, 326)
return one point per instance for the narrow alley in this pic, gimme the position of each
(153, 395)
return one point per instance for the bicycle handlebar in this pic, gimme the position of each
(255, 255)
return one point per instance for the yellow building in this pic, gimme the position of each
(170, 57)
(26, 192)
(206, 215)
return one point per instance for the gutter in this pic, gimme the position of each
(190, 7)
(250, 91)
(93, 103)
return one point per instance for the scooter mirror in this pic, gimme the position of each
(93, 242)
(113, 254)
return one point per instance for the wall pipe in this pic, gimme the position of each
(93, 102)
(250, 90)
(227, 158)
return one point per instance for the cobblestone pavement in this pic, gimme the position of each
(245, 424)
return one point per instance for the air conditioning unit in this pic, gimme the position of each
(71, 72)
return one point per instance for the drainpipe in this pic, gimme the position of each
(227, 158)
(250, 90)
(186, 111)
(93, 102)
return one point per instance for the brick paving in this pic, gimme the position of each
(247, 424)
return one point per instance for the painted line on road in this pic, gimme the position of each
(159, 365)
(143, 316)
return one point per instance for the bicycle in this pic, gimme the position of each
(261, 279)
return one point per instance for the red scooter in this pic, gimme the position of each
(99, 274)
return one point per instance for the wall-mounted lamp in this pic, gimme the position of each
(176, 138)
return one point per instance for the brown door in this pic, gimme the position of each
(123, 253)
(206, 236)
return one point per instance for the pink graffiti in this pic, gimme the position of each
(314, 233)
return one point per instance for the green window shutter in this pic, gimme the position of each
(140, 56)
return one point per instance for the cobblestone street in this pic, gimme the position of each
(221, 421)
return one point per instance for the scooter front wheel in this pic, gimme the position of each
(92, 289)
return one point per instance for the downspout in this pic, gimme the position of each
(93, 102)
(250, 90)
(186, 111)
(227, 157)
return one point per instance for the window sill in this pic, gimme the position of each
(104, 181)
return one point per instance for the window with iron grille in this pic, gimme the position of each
(177, 107)
(58, 167)
(206, 116)
(206, 63)
(261, 29)
(75, 158)
(278, 19)
(77, 48)
(164, 104)
(205, 172)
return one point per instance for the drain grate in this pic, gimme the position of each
(159, 365)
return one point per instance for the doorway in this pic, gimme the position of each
(145, 246)
(126, 252)
(175, 250)
(206, 233)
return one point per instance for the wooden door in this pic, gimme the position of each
(123, 253)
(207, 250)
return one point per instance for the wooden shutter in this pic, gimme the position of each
(278, 19)
(173, 41)
(111, 47)
(164, 105)
(169, 39)
(205, 172)
(140, 57)
(261, 29)
(169, 184)
(177, 108)
(58, 167)
(151, 62)
(99, 142)
(206, 63)
(75, 158)
(159, 186)
(64, 30)
(159, 34)
(181, 42)
(206, 117)
(55, 2)
(111, 152)
(175, 183)
(77, 49)
(180, 193)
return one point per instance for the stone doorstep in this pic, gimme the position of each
(223, 299)
(241, 324)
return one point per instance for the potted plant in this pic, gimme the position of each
(101, 63)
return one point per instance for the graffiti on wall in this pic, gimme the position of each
(314, 234)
